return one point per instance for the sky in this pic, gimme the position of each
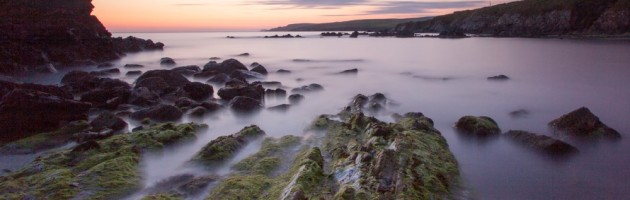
(253, 15)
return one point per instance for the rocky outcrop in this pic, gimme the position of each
(225, 147)
(478, 126)
(541, 143)
(39, 35)
(583, 123)
(530, 18)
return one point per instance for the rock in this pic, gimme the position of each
(225, 147)
(215, 58)
(187, 70)
(79, 81)
(583, 123)
(143, 97)
(154, 84)
(499, 78)
(107, 120)
(452, 33)
(244, 75)
(227, 66)
(521, 113)
(198, 111)
(173, 79)
(134, 44)
(245, 104)
(243, 54)
(27, 112)
(107, 98)
(349, 71)
(541, 142)
(211, 106)
(283, 71)
(198, 91)
(167, 61)
(259, 68)
(478, 126)
(6, 87)
(106, 72)
(268, 84)
(185, 102)
(354, 34)
(296, 99)
(86, 146)
(230, 92)
(133, 66)
(280, 108)
(197, 185)
(104, 65)
(308, 88)
(160, 113)
(134, 73)
(219, 79)
(277, 93)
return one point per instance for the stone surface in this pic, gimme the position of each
(583, 123)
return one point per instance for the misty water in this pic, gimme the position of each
(443, 78)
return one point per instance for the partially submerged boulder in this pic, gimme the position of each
(171, 78)
(167, 61)
(198, 91)
(478, 126)
(253, 91)
(499, 78)
(256, 67)
(541, 143)
(245, 104)
(583, 123)
(108, 120)
(308, 88)
(225, 147)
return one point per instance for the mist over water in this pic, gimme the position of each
(443, 78)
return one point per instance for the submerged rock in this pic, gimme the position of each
(225, 147)
(245, 104)
(499, 78)
(258, 68)
(198, 91)
(134, 73)
(541, 142)
(167, 61)
(583, 123)
(280, 108)
(478, 126)
(349, 71)
(231, 91)
(296, 99)
(308, 88)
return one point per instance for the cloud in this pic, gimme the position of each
(312, 3)
(419, 7)
(190, 4)
(377, 7)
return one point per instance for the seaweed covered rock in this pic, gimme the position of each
(225, 147)
(47, 140)
(541, 143)
(478, 126)
(108, 172)
(361, 103)
(583, 123)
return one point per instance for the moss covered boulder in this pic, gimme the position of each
(583, 123)
(108, 172)
(478, 126)
(225, 147)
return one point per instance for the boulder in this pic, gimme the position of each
(499, 78)
(230, 92)
(277, 93)
(198, 91)
(187, 70)
(219, 79)
(349, 71)
(283, 71)
(583, 123)
(245, 104)
(478, 126)
(198, 111)
(225, 147)
(211, 106)
(244, 75)
(296, 99)
(185, 102)
(269, 84)
(354, 34)
(541, 142)
(108, 120)
(133, 44)
(155, 84)
(167, 61)
(308, 88)
(133, 66)
(160, 113)
(134, 73)
(143, 97)
(172, 78)
(243, 54)
(27, 112)
(79, 81)
(106, 72)
(227, 66)
(107, 98)
(256, 67)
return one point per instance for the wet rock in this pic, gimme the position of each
(280, 108)
(361, 103)
(134, 73)
(308, 88)
(107, 120)
(154, 84)
(227, 66)
(277, 93)
(349, 71)
(26, 112)
(160, 113)
(499, 78)
(134, 44)
(7, 86)
(258, 68)
(173, 79)
(296, 99)
(143, 97)
(219, 79)
(187, 70)
(86, 146)
(185, 102)
(107, 98)
(225, 147)
(215, 58)
(541, 143)
(269, 84)
(229, 92)
(583, 123)
(198, 111)
(211, 106)
(198, 91)
(93, 135)
(245, 104)
(167, 61)
(283, 71)
(478, 126)
(106, 72)
(133, 66)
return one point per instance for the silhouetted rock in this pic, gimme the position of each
(245, 104)
(243, 54)
(354, 34)
(167, 61)
(133, 66)
(583, 123)
(277, 93)
(219, 79)
(308, 88)
(198, 111)
(283, 71)
(198, 91)
(160, 113)
(173, 79)
(499, 78)
(108, 98)
(295, 99)
(478, 126)
(521, 113)
(280, 108)
(134, 73)
(541, 142)
(252, 91)
(350, 71)
(259, 68)
(187, 70)
(142, 96)
(106, 72)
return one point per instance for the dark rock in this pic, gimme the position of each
(215, 58)
(26, 112)
(227, 66)
(219, 79)
(245, 104)
(185, 102)
(154, 84)
(354, 34)
(237, 83)
(107, 98)
(211, 106)
(277, 93)
(198, 111)
(108, 120)
(212, 65)
(139, 128)
(541, 142)
(583, 123)
(198, 91)
(521, 113)
(80, 81)
(187, 70)
(478, 126)
(283, 71)
(296, 99)
(93, 135)
(349, 71)
(167, 61)
(259, 68)
(133, 66)
(143, 97)
(6, 87)
(173, 79)
(385, 171)
(280, 108)
(308, 88)
(244, 75)
(134, 73)
(499, 78)
(160, 113)
(224, 147)
(105, 65)
(452, 33)
(243, 54)
(269, 84)
(134, 44)
(251, 91)
(86, 146)
(106, 72)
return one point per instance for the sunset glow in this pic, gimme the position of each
(244, 15)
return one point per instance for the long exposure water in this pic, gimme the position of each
(443, 78)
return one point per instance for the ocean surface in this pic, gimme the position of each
(443, 78)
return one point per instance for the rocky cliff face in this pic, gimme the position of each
(533, 18)
(37, 33)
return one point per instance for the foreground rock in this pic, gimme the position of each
(225, 147)
(583, 123)
(478, 126)
(41, 35)
(541, 143)
(106, 169)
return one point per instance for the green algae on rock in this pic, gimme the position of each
(110, 171)
(225, 147)
(45, 141)
(478, 126)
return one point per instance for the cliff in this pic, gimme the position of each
(37, 33)
(534, 18)
(354, 25)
